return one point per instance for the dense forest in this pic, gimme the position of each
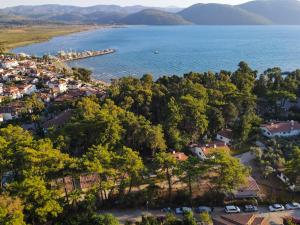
(127, 137)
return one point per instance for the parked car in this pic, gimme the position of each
(276, 208)
(250, 208)
(183, 210)
(232, 209)
(202, 209)
(293, 205)
(166, 210)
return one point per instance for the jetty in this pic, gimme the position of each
(71, 56)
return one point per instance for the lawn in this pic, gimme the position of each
(15, 37)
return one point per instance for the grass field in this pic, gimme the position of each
(15, 37)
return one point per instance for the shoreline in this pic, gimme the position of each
(53, 32)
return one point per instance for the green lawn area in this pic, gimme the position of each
(19, 36)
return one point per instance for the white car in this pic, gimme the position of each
(276, 208)
(183, 210)
(293, 205)
(232, 209)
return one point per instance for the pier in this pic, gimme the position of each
(71, 56)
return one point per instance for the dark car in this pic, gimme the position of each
(250, 208)
(167, 210)
(202, 209)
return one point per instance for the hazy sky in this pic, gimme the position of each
(181, 3)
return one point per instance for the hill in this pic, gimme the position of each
(285, 12)
(219, 14)
(154, 17)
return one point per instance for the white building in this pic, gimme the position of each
(28, 89)
(1, 88)
(225, 136)
(281, 129)
(9, 64)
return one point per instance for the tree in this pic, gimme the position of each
(104, 219)
(216, 120)
(82, 74)
(40, 203)
(230, 173)
(189, 219)
(191, 169)
(293, 165)
(11, 211)
(130, 167)
(168, 164)
(205, 218)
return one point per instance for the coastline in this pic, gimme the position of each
(23, 36)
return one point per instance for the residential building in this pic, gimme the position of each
(12, 92)
(281, 129)
(206, 150)
(1, 88)
(9, 64)
(180, 156)
(250, 190)
(225, 135)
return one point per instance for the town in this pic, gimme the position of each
(209, 148)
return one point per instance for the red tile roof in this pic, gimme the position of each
(282, 126)
(180, 156)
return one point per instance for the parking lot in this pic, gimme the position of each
(275, 218)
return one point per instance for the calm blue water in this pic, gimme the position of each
(181, 49)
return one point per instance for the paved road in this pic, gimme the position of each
(275, 218)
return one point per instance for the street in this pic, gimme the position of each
(274, 218)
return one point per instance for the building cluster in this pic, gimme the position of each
(22, 75)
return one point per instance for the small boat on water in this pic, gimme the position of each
(156, 52)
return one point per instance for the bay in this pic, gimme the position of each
(169, 50)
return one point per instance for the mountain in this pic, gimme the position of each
(105, 17)
(259, 12)
(154, 17)
(219, 14)
(285, 12)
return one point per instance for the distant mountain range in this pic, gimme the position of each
(259, 12)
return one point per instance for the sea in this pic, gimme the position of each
(176, 50)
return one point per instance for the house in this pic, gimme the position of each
(281, 129)
(9, 64)
(88, 181)
(180, 156)
(11, 111)
(12, 92)
(225, 135)
(27, 89)
(65, 184)
(1, 88)
(250, 190)
(240, 219)
(206, 150)
(74, 84)
(61, 85)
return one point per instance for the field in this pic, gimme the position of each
(15, 37)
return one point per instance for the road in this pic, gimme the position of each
(275, 218)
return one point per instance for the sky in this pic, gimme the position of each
(156, 3)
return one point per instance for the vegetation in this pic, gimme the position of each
(125, 143)
(16, 37)
(82, 74)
